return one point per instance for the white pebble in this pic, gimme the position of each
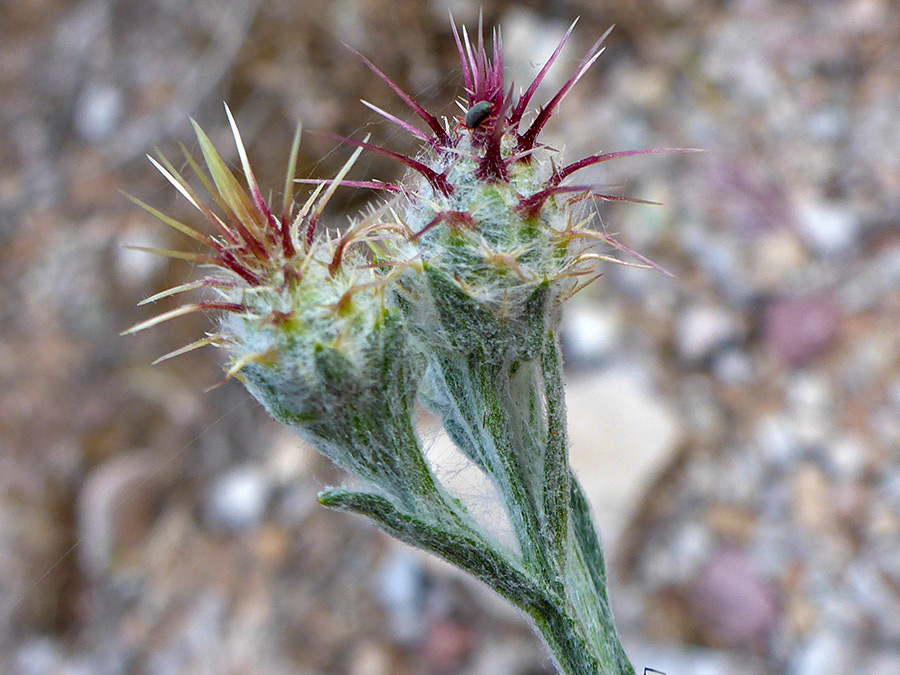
(237, 501)
(828, 228)
(98, 111)
(702, 330)
(590, 334)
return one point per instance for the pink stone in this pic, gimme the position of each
(447, 645)
(731, 604)
(797, 330)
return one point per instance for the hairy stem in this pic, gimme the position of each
(503, 425)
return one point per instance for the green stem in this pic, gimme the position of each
(522, 503)
(556, 457)
(561, 552)
(467, 550)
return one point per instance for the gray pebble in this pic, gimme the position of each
(882, 663)
(827, 653)
(828, 228)
(704, 329)
(847, 457)
(590, 335)
(401, 590)
(777, 441)
(98, 111)
(733, 367)
(237, 500)
(38, 656)
(828, 123)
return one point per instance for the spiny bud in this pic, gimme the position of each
(302, 312)
(497, 238)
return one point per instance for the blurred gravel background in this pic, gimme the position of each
(738, 428)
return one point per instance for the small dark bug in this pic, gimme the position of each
(478, 112)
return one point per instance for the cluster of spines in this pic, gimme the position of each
(490, 139)
(497, 114)
(264, 249)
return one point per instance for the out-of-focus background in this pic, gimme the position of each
(737, 428)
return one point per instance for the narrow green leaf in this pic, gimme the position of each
(227, 185)
(291, 171)
(171, 222)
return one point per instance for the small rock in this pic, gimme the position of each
(272, 545)
(590, 335)
(723, 258)
(828, 228)
(889, 488)
(526, 32)
(741, 479)
(238, 499)
(289, 460)
(825, 654)
(296, 503)
(773, 544)
(667, 618)
(852, 504)
(622, 435)
(647, 88)
(745, 76)
(882, 522)
(777, 441)
(797, 330)
(893, 391)
(702, 411)
(135, 269)
(812, 499)
(675, 659)
(690, 548)
(882, 663)
(510, 658)
(779, 255)
(702, 330)
(885, 425)
(848, 457)
(115, 507)
(810, 405)
(731, 523)
(879, 276)
(867, 359)
(38, 656)
(732, 605)
(447, 645)
(401, 590)
(97, 111)
(810, 394)
(370, 659)
(870, 592)
(827, 124)
(733, 367)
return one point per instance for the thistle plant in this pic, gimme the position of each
(447, 295)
